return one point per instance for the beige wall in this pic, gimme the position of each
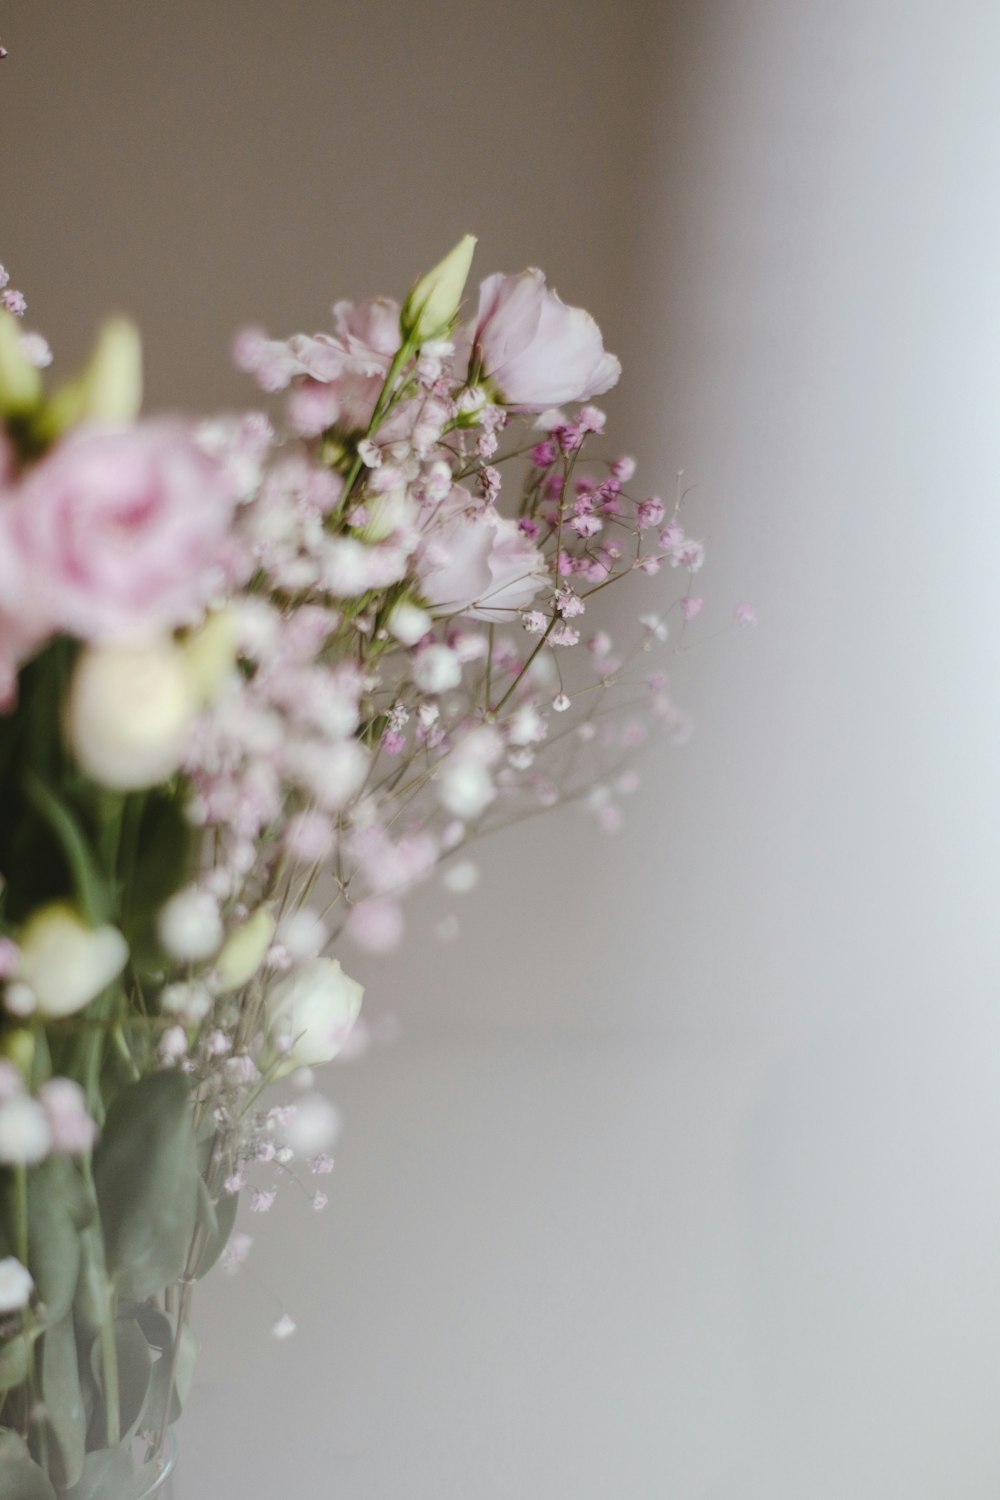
(681, 1179)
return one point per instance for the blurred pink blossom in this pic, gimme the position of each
(478, 563)
(117, 533)
(536, 351)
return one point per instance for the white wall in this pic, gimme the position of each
(686, 1183)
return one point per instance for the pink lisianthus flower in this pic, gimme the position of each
(476, 562)
(118, 532)
(354, 364)
(533, 350)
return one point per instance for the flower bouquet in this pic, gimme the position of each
(260, 676)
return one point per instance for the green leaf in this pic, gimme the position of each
(157, 852)
(135, 1367)
(108, 1474)
(156, 1326)
(217, 1218)
(13, 1361)
(89, 884)
(187, 1358)
(20, 1476)
(55, 1211)
(146, 1174)
(63, 1399)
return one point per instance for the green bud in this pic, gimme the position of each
(110, 388)
(430, 309)
(20, 381)
(244, 950)
(18, 1047)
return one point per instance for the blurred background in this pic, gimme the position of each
(676, 1174)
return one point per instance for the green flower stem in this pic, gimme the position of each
(21, 1241)
(21, 1212)
(381, 406)
(109, 1311)
(109, 835)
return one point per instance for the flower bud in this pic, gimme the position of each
(430, 309)
(110, 389)
(129, 713)
(244, 950)
(66, 963)
(310, 1014)
(25, 1136)
(210, 653)
(16, 1285)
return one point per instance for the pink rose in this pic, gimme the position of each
(534, 350)
(476, 562)
(118, 532)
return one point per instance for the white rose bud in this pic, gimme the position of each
(310, 1012)
(430, 309)
(65, 963)
(130, 712)
(16, 1285)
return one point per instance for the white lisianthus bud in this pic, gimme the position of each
(244, 950)
(16, 1285)
(210, 653)
(430, 309)
(65, 963)
(189, 925)
(310, 1012)
(110, 389)
(112, 383)
(436, 669)
(408, 623)
(25, 1135)
(130, 712)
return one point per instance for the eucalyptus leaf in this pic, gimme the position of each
(135, 1367)
(13, 1361)
(146, 1174)
(56, 1210)
(90, 1303)
(217, 1219)
(20, 1476)
(187, 1359)
(158, 844)
(108, 1474)
(156, 1326)
(63, 1398)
